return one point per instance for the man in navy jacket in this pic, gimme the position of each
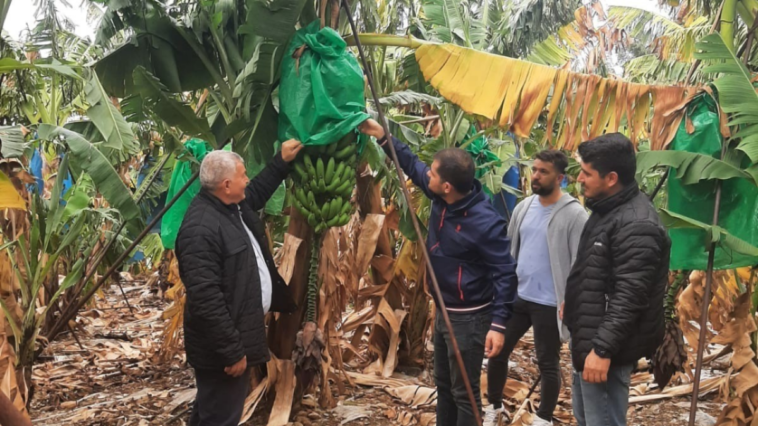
(470, 253)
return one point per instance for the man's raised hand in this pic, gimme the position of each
(372, 128)
(290, 149)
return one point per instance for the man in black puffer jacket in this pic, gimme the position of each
(614, 293)
(231, 281)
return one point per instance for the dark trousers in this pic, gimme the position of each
(470, 331)
(547, 342)
(220, 398)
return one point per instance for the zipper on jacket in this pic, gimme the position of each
(460, 277)
(607, 301)
(442, 217)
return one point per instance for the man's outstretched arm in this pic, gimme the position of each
(265, 183)
(416, 169)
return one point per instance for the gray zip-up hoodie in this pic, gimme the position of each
(564, 229)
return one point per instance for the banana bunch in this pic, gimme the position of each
(324, 179)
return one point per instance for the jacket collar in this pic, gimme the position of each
(472, 197)
(216, 203)
(607, 204)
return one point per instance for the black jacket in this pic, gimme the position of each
(614, 293)
(223, 314)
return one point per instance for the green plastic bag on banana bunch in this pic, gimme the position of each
(321, 103)
(321, 96)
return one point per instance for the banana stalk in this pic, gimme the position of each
(313, 280)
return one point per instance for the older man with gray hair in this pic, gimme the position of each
(231, 281)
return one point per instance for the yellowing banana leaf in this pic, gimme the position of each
(9, 197)
(515, 92)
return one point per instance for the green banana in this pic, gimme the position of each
(346, 207)
(334, 207)
(331, 149)
(321, 186)
(344, 219)
(340, 169)
(334, 184)
(346, 140)
(325, 210)
(347, 174)
(343, 187)
(345, 152)
(303, 211)
(309, 166)
(333, 221)
(320, 228)
(300, 196)
(312, 220)
(329, 173)
(311, 201)
(300, 171)
(348, 191)
(319, 168)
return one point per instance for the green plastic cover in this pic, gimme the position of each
(739, 210)
(187, 163)
(321, 95)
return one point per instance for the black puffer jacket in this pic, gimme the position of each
(614, 293)
(223, 314)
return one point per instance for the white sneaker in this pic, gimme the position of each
(539, 421)
(492, 415)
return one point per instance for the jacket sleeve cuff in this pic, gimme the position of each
(498, 324)
(601, 351)
(233, 354)
(385, 142)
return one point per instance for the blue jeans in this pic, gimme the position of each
(470, 330)
(602, 404)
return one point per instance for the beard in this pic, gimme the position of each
(543, 190)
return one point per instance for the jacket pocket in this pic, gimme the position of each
(234, 248)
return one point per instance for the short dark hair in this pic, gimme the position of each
(554, 157)
(612, 152)
(456, 167)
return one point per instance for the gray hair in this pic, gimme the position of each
(217, 166)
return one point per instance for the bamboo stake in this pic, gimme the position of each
(414, 219)
(660, 185)
(706, 300)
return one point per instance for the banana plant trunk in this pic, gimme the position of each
(282, 332)
(728, 15)
(370, 202)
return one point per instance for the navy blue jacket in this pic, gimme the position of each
(468, 247)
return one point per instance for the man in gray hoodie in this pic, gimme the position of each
(545, 230)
